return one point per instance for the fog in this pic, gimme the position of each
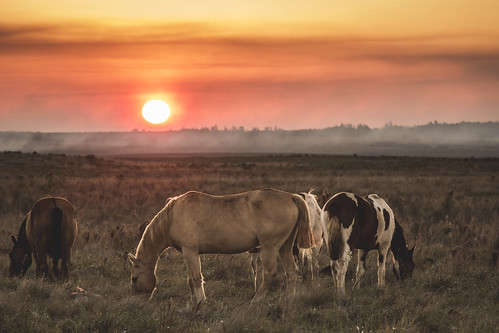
(434, 139)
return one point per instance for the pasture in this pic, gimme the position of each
(449, 208)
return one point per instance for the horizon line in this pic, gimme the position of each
(215, 128)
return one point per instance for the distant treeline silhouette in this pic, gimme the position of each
(465, 139)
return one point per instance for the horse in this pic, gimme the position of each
(197, 223)
(309, 258)
(50, 228)
(366, 224)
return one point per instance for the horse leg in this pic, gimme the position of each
(55, 267)
(339, 268)
(65, 263)
(269, 261)
(306, 264)
(289, 265)
(334, 272)
(42, 267)
(382, 253)
(361, 268)
(315, 265)
(194, 276)
(255, 258)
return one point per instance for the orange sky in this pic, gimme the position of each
(89, 66)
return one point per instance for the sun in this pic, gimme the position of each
(156, 111)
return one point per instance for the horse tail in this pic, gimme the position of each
(57, 230)
(335, 240)
(304, 236)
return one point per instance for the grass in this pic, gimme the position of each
(449, 208)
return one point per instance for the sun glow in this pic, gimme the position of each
(156, 111)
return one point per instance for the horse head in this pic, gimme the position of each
(20, 258)
(143, 277)
(405, 264)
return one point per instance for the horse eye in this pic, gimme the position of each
(134, 279)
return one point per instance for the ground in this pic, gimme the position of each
(449, 209)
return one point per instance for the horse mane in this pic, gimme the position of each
(22, 229)
(155, 238)
(22, 239)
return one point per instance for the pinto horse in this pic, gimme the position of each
(50, 228)
(196, 223)
(309, 258)
(365, 224)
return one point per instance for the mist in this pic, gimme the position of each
(466, 139)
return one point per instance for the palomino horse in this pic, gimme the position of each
(365, 224)
(195, 223)
(309, 257)
(48, 229)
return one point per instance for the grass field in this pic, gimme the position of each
(449, 208)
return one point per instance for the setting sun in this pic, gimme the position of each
(156, 111)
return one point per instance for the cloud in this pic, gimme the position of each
(220, 77)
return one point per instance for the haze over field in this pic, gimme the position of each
(451, 140)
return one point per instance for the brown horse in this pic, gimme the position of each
(48, 229)
(365, 224)
(196, 223)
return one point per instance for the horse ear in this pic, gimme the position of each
(132, 258)
(14, 241)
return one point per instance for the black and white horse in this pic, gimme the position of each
(366, 224)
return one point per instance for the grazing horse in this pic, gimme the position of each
(365, 224)
(309, 257)
(195, 223)
(50, 228)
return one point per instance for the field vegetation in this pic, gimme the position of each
(449, 208)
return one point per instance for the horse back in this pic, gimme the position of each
(232, 223)
(51, 226)
(353, 218)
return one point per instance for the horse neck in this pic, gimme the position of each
(22, 239)
(155, 239)
(398, 245)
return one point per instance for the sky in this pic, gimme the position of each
(89, 66)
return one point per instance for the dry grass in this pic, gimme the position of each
(449, 208)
